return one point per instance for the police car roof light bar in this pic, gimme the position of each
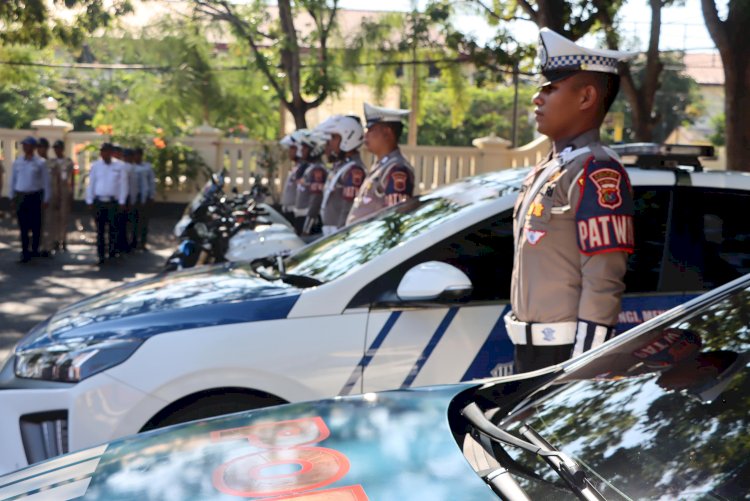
(665, 156)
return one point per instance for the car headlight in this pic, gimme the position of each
(73, 360)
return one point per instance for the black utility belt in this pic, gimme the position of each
(105, 200)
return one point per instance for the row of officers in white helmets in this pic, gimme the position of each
(320, 199)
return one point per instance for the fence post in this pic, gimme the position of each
(206, 140)
(493, 153)
(53, 129)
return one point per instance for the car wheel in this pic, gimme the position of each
(210, 404)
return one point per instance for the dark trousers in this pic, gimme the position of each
(299, 224)
(29, 213)
(528, 357)
(121, 222)
(144, 216)
(134, 217)
(105, 225)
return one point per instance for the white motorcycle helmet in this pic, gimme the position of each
(348, 127)
(315, 141)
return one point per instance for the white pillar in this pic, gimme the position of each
(206, 140)
(495, 153)
(53, 129)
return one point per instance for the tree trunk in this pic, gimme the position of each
(298, 113)
(730, 37)
(642, 98)
(551, 14)
(737, 109)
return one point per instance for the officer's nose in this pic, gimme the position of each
(537, 98)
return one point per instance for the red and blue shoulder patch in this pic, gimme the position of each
(604, 216)
(399, 181)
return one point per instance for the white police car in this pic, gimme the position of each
(382, 304)
(660, 412)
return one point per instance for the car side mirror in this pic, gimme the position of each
(432, 281)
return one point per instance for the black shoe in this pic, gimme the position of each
(45, 254)
(24, 259)
(101, 261)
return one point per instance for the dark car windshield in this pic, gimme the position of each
(332, 257)
(663, 416)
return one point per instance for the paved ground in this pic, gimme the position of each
(31, 292)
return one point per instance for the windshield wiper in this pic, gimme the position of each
(560, 462)
(303, 281)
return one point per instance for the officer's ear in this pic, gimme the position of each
(588, 97)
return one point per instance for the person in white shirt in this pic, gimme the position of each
(146, 196)
(29, 194)
(125, 218)
(106, 194)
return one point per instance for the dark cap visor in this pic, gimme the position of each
(549, 77)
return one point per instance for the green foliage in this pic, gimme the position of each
(21, 88)
(489, 110)
(174, 161)
(719, 123)
(677, 102)
(192, 90)
(40, 22)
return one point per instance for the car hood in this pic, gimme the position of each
(201, 297)
(389, 445)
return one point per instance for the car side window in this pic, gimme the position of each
(650, 222)
(716, 221)
(484, 252)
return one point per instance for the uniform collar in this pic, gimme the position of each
(588, 137)
(352, 155)
(390, 155)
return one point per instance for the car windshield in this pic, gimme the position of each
(341, 253)
(662, 416)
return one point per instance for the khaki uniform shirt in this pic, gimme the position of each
(390, 182)
(341, 189)
(572, 243)
(310, 190)
(289, 194)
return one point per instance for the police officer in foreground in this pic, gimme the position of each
(391, 180)
(29, 193)
(573, 221)
(347, 171)
(106, 194)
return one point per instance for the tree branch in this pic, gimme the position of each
(228, 15)
(526, 6)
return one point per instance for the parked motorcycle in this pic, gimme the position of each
(238, 227)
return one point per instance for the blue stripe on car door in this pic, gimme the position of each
(497, 349)
(434, 340)
(370, 353)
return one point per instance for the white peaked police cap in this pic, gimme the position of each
(560, 58)
(377, 114)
